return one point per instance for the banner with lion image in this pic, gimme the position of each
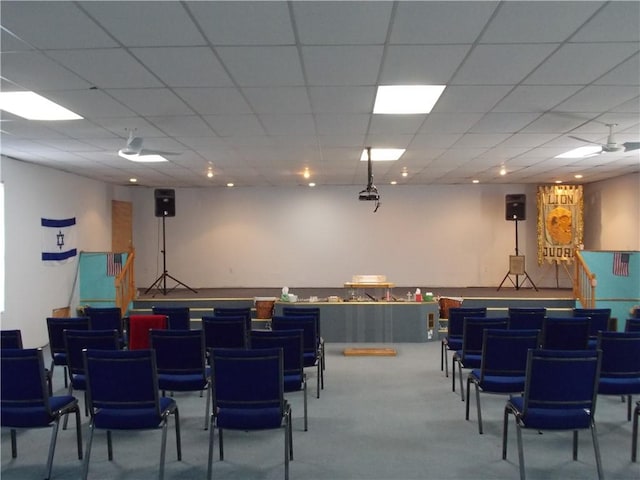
(560, 222)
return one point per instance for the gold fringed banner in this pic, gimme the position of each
(560, 222)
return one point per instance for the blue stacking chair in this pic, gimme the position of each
(123, 394)
(10, 339)
(248, 394)
(503, 365)
(225, 331)
(560, 394)
(565, 333)
(106, 318)
(290, 311)
(453, 340)
(599, 321)
(26, 403)
(470, 354)
(55, 328)
(620, 371)
(181, 363)
(234, 312)
(312, 356)
(526, 318)
(75, 342)
(178, 318)
(295, 380)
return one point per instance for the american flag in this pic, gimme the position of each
(114, 264)
(621, 264)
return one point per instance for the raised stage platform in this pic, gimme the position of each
(362, 320)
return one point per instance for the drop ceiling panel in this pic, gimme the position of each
(235, 125)
(342, 99)
(535, 97)
(214, 101)
(152, 101)
(278, 99)
(343, 65)
(34, 71)
(263, 66)
(428, 64)
(616, 22)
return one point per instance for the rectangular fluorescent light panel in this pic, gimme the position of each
(406, 99)
(136, 157)
(581, 152)
(382, 154)
(32, 106)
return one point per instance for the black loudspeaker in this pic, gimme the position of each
(515, 207)
(165, 202)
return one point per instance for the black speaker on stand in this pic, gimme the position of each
(515, 209)
(165, 206)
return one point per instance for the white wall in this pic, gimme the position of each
(32, 289)
(300, 237)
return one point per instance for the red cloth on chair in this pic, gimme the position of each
(139, 326)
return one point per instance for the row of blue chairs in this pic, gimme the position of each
(122, 386)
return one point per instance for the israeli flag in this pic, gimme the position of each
(58, 239)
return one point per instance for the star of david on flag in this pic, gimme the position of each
(58, 240)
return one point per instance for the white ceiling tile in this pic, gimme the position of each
(480, 140)
(627, 73)
(181, 125)
(90, 103)
(151, 101)
(278, 99)
(235, 125)
(524, 22)
(342, 99)
(33, 71)
(263, 66)
(449, 122)
(214, 101)
(535, 98)
(503, 122)
(617, 22)
(346, 124)
(106, 68)
(403, 124)
(421, 64)
(262, 23)
(470, 98)
(346, 23)
(184, 66)
(142, 24)
(598, 98)
(501, 64)
(580, 63)
(440, 22)
(53, 25)
(300, 124)
(343, 65)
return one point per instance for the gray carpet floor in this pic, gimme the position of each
(377, 418)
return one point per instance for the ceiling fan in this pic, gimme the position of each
(133, 151)
(611, 145)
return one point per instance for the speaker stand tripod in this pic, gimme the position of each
(524, 273)
(162, 279)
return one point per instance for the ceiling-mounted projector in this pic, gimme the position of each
(369, 195)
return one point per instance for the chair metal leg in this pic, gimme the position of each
(318, 383)
(211, 440)
(520, 451)
(221, 444)
(287, 441)
(505, 430)
(466, 414)
(480, 431)
(304, 393)
(163, 449)
(14, 444)
(461, 384)
(52, 447)
(176, 418)
(596, 449)
(453, 373)
(628, 408)
(78, 433)
(446, 363)
(109, 446)
(575, 446)
(206, 408)
(634, 434)
(441, 356)
(87, 453)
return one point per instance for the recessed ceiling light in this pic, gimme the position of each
(558, 181)
(136, 157)
(133, 180)
(404, 172)
(577, 175)
(312, 184)
(503, 170)
(581, 152)
(382, 154)
(475, 181)
(229, 184)
(393, 182)
(210, 173)
(32, 106)
(406, 99)
(306, 173)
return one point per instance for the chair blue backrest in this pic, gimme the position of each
(290, 311)
(104, 318)
(290, 341)
(565, 333)
(526, 318)
(234, 312)
(225, 331)
(599, 319)
(76, 341)
(179, 318)
(473, 333)
(308, 324)
(25, 400)
(632, 325)
(179, 352)
(10, 339)
(56, 327)
(457, 316)
(504, 352)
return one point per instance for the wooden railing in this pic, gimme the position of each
(125, 284)
(584, 283)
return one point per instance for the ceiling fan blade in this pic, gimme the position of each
(629, 146)
(583, 140)
(144, 152)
